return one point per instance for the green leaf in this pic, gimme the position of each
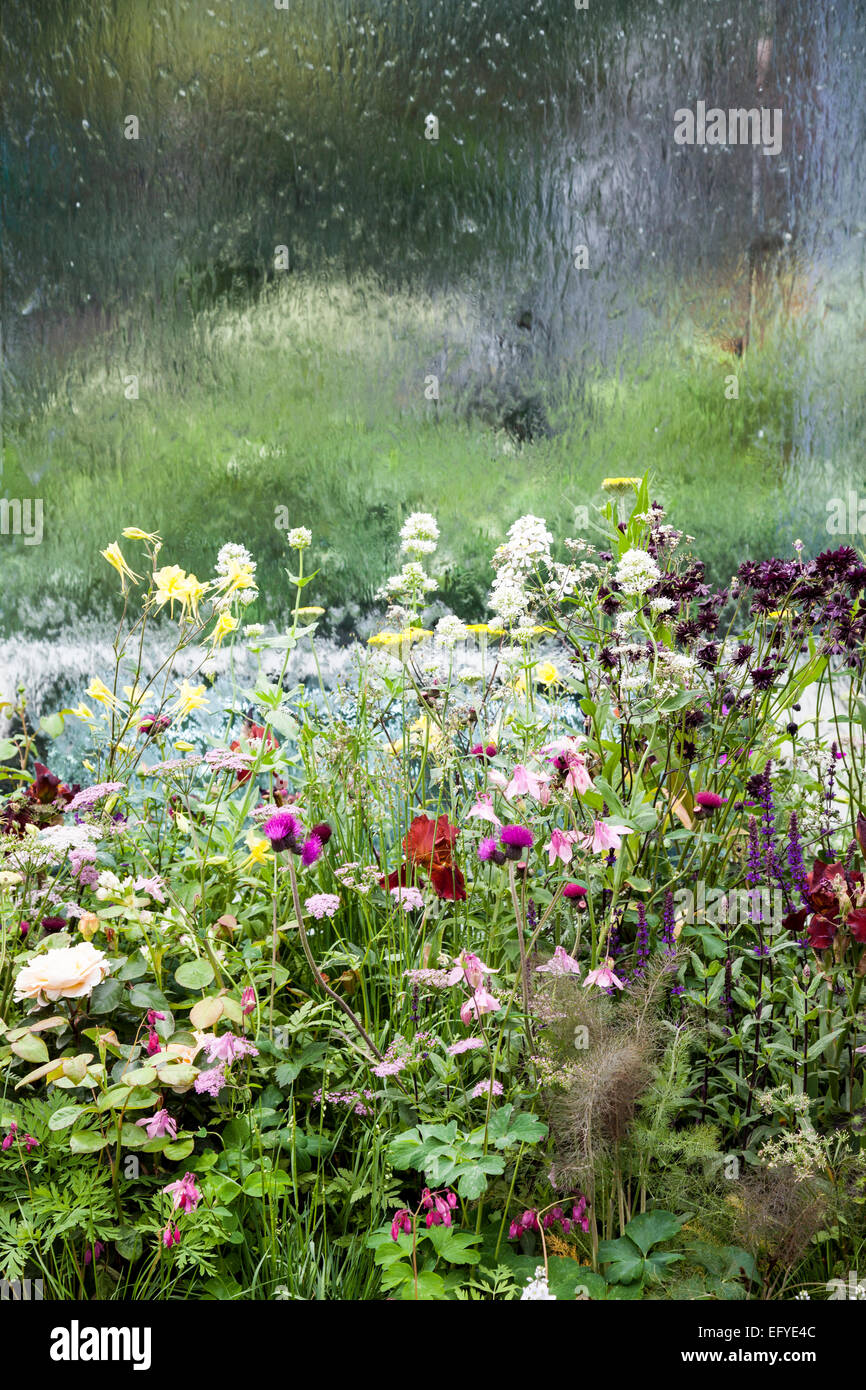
(106, 997)
(87, 1141)
(148, 997)
(624, 1261)
(64, 1117)
(7, 749)
(195, 974)
(507, 1129)
(181, 1148)
(206, 1012)
(31, 1048)
(52, 725)
(650, 1227)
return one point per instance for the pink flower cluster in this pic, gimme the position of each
(13, 1137)
(529, 1220)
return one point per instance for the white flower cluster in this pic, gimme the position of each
(527, 549)
(449, 631)
(419, 534)
(232, 557)
(410, 585)
(636, 572)
(537, 1289)
(300, 537)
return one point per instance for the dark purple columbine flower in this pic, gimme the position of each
(282, 830)
(762, 677)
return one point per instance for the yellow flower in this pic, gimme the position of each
(619, 484)
(193, 592)
(114, 555)
(780, 613)
(259, 848)
(101, 693)
(225, 624)
(184, 746)
(171, 585)
(82, 712)
(190, 697)
(477, 627)
(238, 576)
(547, 673)
(384, 639)
(134, 533)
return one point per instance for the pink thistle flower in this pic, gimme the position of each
(709, 801)
(282, 830)
(311, 851)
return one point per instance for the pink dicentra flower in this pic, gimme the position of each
(184, 1194)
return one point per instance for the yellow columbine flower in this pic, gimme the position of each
(780, 613)
(82, 712)
(259, 848)
(101, 693)
(547, 673)
(114, 555)
(225, 624)
(190, 697)
(171, 586)
(193, 592)
(238, 576)
(134, 533)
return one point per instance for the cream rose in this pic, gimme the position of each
(67, 973)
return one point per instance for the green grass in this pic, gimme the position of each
(312, 399)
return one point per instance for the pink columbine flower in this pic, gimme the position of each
(470, 968)
(184, 1193)
(483, 810)
(159, 1125)
(481, 1002)
(560, 963)
(605, 836)
(560, 846)
(526, 783)
(604, 977)
(248, 1000)
(227, 1048)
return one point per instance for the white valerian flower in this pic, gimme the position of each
(233, 557)
(300, 537)
(254, 630)
(419, 534)
(661, 605)
(449, 631)
(411, 584)
(537, 1289)
(636, 572)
